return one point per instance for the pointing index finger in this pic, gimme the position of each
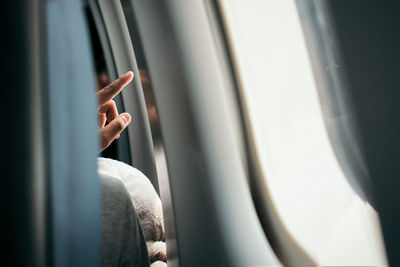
(111, 90)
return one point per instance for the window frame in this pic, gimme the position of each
(182, 51)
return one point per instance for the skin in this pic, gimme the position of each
(108, 112)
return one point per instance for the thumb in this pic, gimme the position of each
(113, 129)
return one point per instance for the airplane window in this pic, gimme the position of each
(324, 212)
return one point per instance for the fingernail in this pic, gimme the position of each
(126, 117)
(123, 119)
(129, 72)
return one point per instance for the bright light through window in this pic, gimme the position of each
(308, 187)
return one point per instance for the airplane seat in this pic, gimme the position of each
(146, 201)
(122, 240)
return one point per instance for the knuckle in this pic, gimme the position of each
(120, 125)
(104, 137)
(117, 82)
(113, 105)
(109, 88)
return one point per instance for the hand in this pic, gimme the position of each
(108, 111)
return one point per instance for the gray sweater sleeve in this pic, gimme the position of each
(122, 241)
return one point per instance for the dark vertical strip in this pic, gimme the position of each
(16, 219)
(16, 211)
(369, 34)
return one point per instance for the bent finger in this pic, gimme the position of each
(110, 110)
(113, 129)
(111, 90)
(102, 120)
